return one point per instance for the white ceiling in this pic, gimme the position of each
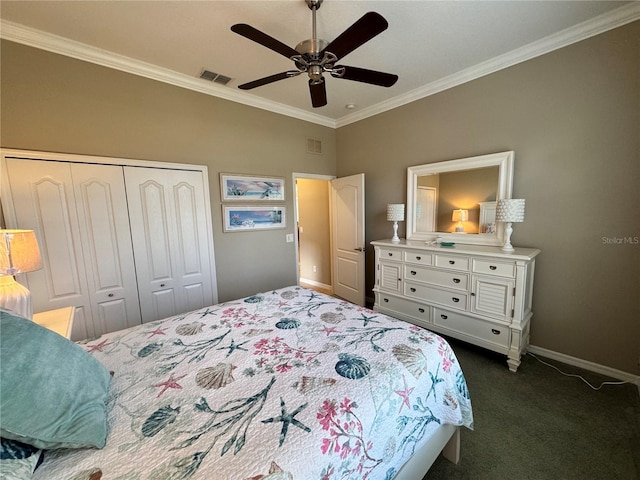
(430, 45)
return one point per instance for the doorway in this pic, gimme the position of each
(313, 233)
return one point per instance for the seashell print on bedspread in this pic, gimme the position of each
(288, 384)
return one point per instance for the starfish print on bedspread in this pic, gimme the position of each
(288, 419)
(404, 394)
(157, 331)
(171, 383)
(99, 346)
(233, 347)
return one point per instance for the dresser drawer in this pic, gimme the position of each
(404, 306)
(485, 331)
(389, 254)
(449, 298)
(491, 267)
(452, 262)
(444, 278)
(419, 258)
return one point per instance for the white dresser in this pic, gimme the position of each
(478, 294)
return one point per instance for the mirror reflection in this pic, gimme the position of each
(457, 202)
(456, 199)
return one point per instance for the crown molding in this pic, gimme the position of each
(63, 46)
(603, 23)
(80, 51)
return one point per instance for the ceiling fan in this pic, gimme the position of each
(316, 56)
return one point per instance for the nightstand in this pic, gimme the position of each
(59, 320)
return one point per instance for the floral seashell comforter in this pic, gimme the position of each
(289, 384)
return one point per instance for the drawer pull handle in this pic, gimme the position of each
(492, 267)
(162, 284)
(413, 272)
(110, 295)
(455, 300)
(390, 254)
(495, 332)
(412, 289)
(452, 262)
(418, 258)
(385, 300)
(421, 310)
(443, 316)
(473, 294)
(456, 280)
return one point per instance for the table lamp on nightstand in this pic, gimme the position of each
(19, 253)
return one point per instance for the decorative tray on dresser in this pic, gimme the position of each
(478, 294)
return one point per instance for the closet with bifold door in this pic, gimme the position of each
(124, 241)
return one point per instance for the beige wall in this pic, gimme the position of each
(54, 103)
(313, 213)
(572, 117)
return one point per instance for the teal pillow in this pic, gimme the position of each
(52, 393)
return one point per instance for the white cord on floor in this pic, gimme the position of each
(575, 375)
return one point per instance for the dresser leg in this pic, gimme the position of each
(514, 363)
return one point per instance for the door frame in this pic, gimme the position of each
(309, 176)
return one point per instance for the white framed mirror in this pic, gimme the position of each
(455, 200)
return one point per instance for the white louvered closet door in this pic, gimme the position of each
(170, 240)
(79, 213)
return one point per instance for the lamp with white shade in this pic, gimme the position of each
(19, 253)
(460, 215)
(395, 214)
(510, 211)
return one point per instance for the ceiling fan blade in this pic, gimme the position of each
(270, 79)
(366, 76)
(363, 30)
(318, 92)
(263, 39)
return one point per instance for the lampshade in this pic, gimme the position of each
(510, 210)
(460, 215)
(19, 252)
(395, 212)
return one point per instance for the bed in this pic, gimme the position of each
(288, 384)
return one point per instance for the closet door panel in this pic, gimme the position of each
(43, 199)
(171, 247)
(106, 240)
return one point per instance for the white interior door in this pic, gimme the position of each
(168, 227)
(347, 235)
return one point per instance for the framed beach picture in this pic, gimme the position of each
(251, 189)
(238, 218)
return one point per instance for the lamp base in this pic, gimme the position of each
(507, 248)
(15, 297)
(395, 238)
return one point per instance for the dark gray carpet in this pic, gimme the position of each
(538, 424)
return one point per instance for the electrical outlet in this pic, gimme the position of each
(314, 268)
(289, 237)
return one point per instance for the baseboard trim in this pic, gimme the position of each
(592, 367)
(316, 284)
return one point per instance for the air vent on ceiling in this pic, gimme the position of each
(314, 146)
(214, 77)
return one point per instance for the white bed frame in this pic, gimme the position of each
(445, 440)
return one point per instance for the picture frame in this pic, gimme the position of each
(246, 188)
(243, 218)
